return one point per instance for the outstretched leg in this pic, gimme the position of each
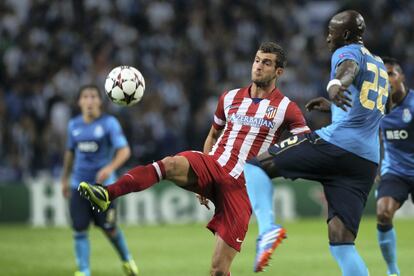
(176, 168)
(260, 190)
(386, 208)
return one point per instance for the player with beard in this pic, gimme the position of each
(246, 122)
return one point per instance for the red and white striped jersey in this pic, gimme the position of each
(251, 125)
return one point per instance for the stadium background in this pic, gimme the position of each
(189, 53)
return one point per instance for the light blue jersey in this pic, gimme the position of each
(398, 137)
(94, 145)
(356, 130)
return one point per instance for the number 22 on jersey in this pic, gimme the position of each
(374, 85)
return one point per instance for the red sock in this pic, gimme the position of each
(137, 179)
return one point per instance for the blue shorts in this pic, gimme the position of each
(396, 186)
(346, 178)
(81, 214)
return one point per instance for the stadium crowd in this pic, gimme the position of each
(188, 51)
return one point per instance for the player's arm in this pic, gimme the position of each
(295, 120)
(337, 89)
(217, 125)
(67, 169)
(121, 156)
(118, 142)
(381, 143)
(320, 104)
(345, 74)
(214, 133)
(211, 139)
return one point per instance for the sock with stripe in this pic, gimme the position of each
(137, 179)
(387, 239)
(260, 190)
(82, 252)
(348, 259)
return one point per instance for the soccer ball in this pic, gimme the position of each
(125, 85)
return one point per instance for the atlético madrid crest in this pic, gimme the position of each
(270, 112)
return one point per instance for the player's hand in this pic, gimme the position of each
(103, 174)
(320, 103)
(340, 96)
(65, 188)
(203, 201)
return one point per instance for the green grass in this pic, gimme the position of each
(186, 250)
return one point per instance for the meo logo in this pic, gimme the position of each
(88, 146)
(396, 134)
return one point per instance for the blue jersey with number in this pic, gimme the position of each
(94, 145)
(397, 129)
(356, 130)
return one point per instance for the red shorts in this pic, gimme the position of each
(229, 195)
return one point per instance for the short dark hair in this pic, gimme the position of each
(393, 62)
(88, 86)
(274, 48)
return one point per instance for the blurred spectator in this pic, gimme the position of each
(188, 51)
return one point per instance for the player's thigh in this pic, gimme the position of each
(394, 186)
(345, 203)
(106, 220)
(347, 188)
(298, 156)
(178, 170)
(223, 256)
(80, 211)
(233, 211)
(203, 172)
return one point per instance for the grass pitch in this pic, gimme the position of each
(186, 250)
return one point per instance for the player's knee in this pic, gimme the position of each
(170, 165)
(338, 232)
(255, 162)
(80, 227)
(79, 235)
(217, 272)
(264, 162)
(110, 232)
(175, 168)
(220, 265)
(384, 215)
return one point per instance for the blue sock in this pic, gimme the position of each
(387, 242)
(120, 244)
(348, 259)
(260, 190)
(82, 252)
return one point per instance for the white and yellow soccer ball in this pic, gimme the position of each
(125, 85)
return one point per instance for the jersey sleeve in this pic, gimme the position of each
(219, 116)
(345, 53)
(116, 135)
(294, 119)
(70, 143)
